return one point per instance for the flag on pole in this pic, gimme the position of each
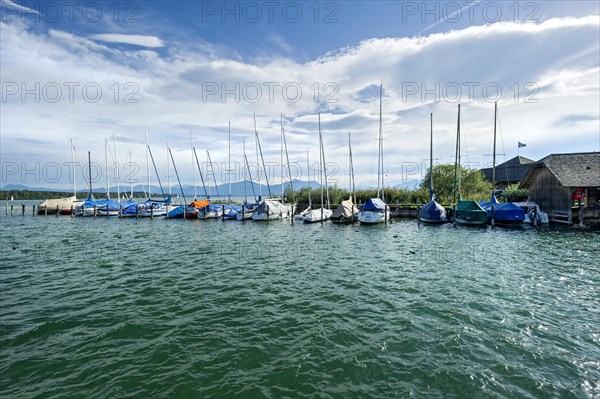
(521, 145)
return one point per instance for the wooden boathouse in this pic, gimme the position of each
(566, 186)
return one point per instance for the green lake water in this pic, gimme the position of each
(106, 308)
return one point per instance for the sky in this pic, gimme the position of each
(181, 71)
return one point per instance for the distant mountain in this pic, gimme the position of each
(410, 184)
(237, 189)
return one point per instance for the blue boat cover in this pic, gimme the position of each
(375, 205)
(503, 212)
(433, 212)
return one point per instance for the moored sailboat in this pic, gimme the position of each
(271, 208)
(466, 212)
(64, 206)
(375, 210)
(500, 213)
(347, 212)
(324, 212)
(432, 212)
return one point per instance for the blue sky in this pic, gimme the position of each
(192, 66)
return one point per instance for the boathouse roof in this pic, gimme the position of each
(571, 170)
(513, 170)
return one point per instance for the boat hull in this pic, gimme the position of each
(373, 217)
(433, 213)
(317, 215)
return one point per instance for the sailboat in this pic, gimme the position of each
(323, 213)
(63, 205)
(270, 208)
(230, 211)
(346, 212)
(211, 210)
(90, 206)
(188, 211)
(432, 212)
(247, 209)
(500, 213)
(151, 207)
(466, 212)
(376, 210)
(110, 207)
(300, 215)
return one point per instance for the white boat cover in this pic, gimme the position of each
(345, 210)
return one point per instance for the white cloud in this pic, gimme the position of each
(169, 89)
(137, 40)
(18, 7)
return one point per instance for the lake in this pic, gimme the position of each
(114, 307)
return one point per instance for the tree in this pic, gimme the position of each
(473, 185)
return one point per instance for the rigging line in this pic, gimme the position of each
(212, 169)
(178, 180)
(200, 170)
(261, 157)
(157, 176)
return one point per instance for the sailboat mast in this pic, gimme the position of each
(90, 171)
(320, 164)
(73, 166)
(324, 168)
(261, 157)
(457, 156)
(352, 187)
(147, 162)
(249, 173)
(431, 158)
(193, 169)
(494, 156)
(380, 158)
(106, 168)
(308, 173)
(117, 177)
(245, 188)
(257, 160)
(287, 158)
(229, 167)
(168, 170)
(130, 179)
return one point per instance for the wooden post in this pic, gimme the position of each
(267, 207)
(580, 213)
(57, 211)
(418, 214)
(292, 213)
(46, 211)
(223, 212)
(492, 215)
(535, 215)
(33, 210)
(72, 211)
(454, 215)
(167, 208)
(151, 212)
(95, 211)
(11, 209)
(137, 211)
(23, 210)
(243, 213)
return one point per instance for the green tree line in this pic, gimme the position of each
(473, 187)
